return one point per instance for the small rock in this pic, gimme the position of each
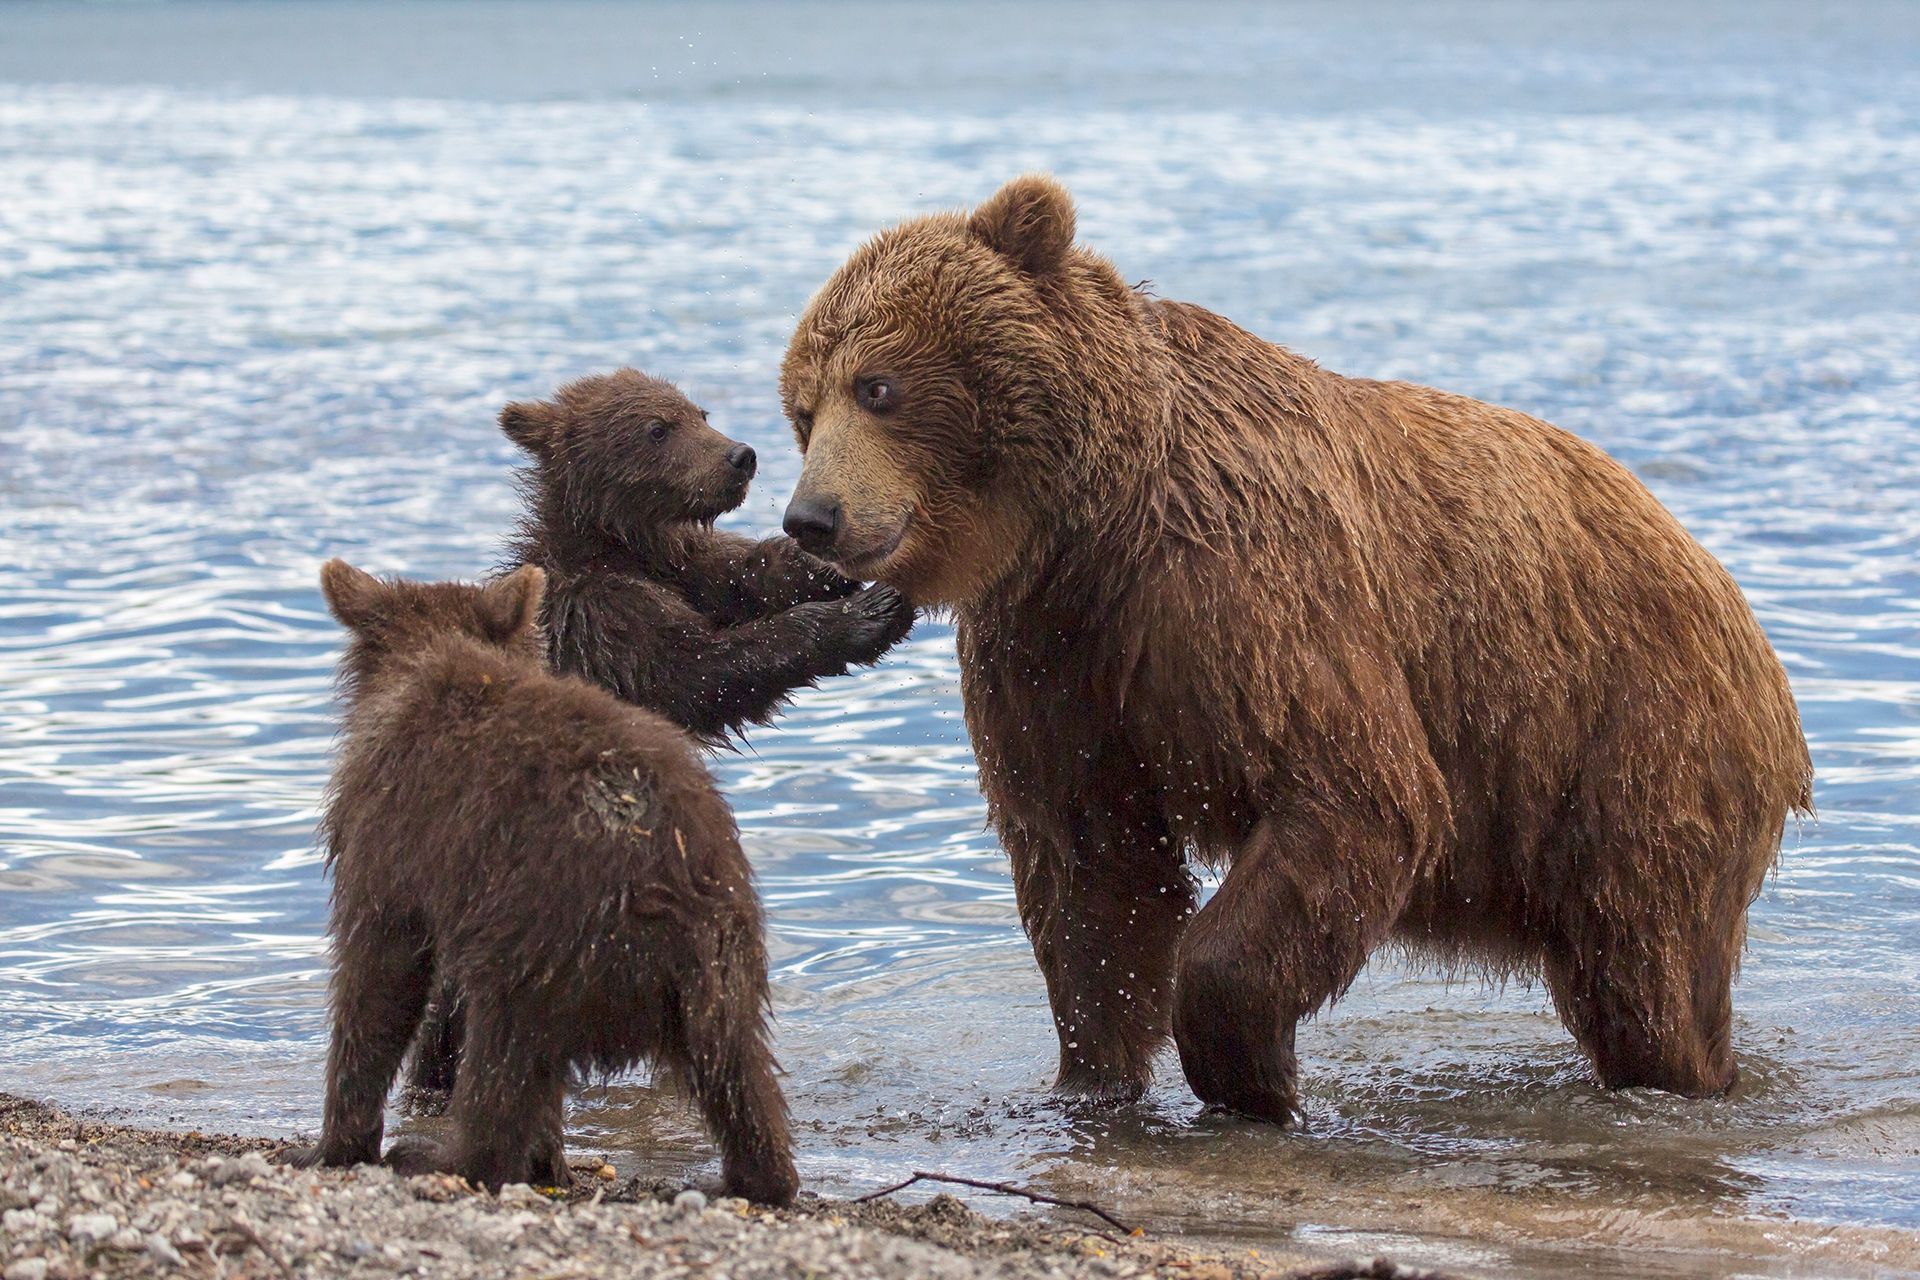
(243, 1169)
(164, 1253)
(127, 1240)
(519, 1193)
(690, 1201)
(91, 1226)
(356, 1249)
(21, 1222)
(255, 1165)
(26, 1269)
(183, 1181)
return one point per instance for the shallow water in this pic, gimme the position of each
(266, 273)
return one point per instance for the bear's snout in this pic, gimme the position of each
(813, 522)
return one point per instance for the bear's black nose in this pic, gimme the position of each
(812, 522)
(741, 458)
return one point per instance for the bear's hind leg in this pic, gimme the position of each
(508, 1102)
(1649, 999)
(716, 1042)
(380, 979)
(1305, 902)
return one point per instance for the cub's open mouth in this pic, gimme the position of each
(862, 564)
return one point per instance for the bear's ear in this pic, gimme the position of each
(352, 596)
(509, 606)
(1030, 220)
(530, 424)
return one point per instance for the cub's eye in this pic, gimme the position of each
(877, 395)
(656, 431)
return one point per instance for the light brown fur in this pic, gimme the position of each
(1412, 668)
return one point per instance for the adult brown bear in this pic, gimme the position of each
(1411, 668)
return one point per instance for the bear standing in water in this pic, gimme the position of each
(1410, 668)
(560, 856)
(644, 597)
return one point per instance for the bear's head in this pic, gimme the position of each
(390, 619)
(959, 388)
(622, 453)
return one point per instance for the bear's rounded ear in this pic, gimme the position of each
(1030, 220)
(530, 424)
(510, 605)
(352, 595)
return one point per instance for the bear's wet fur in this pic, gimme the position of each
(649, 601)
(560, 856)
(1411, 669)
(644, 596)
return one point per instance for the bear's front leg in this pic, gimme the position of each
(1104, 906)
(1308, 898)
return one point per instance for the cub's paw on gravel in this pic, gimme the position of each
(299, 1157)
(414, 1155)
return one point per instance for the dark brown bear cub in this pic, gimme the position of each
(644, 597)
(562, 859)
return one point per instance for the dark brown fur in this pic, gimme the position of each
(650, 602)
(1412, 668)
(563, 859)
(644, 597)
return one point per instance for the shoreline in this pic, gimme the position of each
(86, 1197)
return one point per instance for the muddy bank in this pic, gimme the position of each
(80, 1197)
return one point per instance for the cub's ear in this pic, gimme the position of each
(509, 606)
(1030, 220)
(352, 596)
(530, 424)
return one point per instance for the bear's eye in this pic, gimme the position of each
(803, 423)
(656, 431)
(877, 395)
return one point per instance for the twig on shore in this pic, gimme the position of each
(244, 1229)
(1005, 1189)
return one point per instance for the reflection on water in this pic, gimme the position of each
(239, 333)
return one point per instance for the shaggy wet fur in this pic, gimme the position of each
(563, 859)
(647, 600)
(1412, 668)
(644, 597)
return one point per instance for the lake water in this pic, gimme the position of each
(267, 271)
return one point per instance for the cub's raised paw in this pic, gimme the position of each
(882, 617)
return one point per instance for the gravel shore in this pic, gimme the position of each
(80, 1197)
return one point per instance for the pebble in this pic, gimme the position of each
(26, 1269)
(690, 1201)
(127, 1240)
(164, 1253)
(92, 1226)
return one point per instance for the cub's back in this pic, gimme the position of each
(472, 780)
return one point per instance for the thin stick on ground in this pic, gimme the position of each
(1005, 1189)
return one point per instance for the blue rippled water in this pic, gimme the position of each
(265, 277)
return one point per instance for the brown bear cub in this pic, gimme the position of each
(563, 859)
(644, 597)
(649, 601)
